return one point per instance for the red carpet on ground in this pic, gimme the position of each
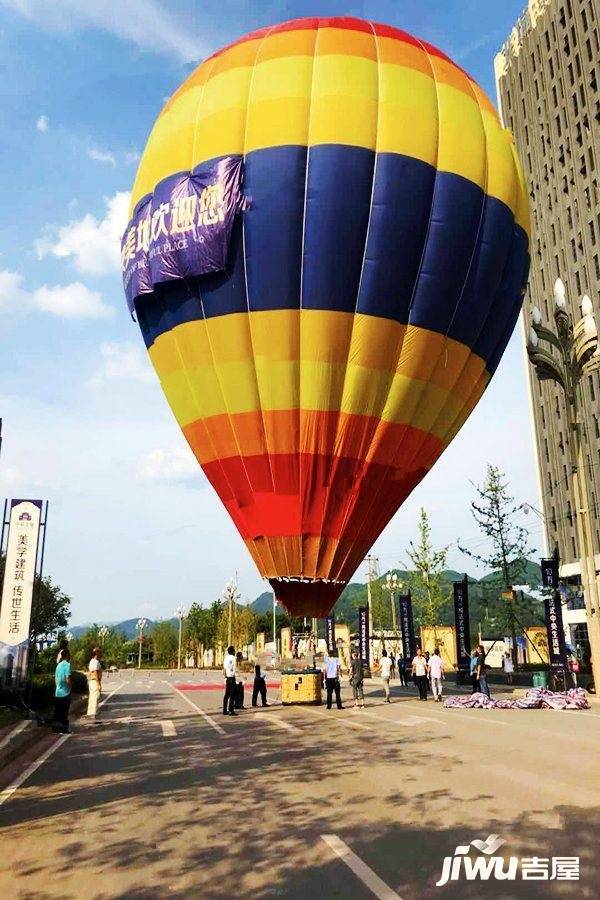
(191, 686)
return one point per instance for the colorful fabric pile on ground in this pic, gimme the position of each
(536, 698)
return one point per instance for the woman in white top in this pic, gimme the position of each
(385, 666)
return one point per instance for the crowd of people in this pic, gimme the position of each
(425, 670)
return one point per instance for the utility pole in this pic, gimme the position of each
(141, 624)
(180, 613)
(577, 356)
(372, 574)
(275, 622)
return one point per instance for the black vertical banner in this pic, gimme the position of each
(461, 621)
(553, 613)
(407, 627)
(330, 633)
(363, 636)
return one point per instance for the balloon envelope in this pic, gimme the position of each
(327, 255)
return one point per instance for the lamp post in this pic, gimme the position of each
(230, 595)
(103, 634)
(180, 612)
(393, 585)
(573, 354)
(141, 624)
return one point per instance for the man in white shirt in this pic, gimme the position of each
(94, 684)
(436, 674)
(332, 679)
(419, 670)
(385, 665)
(230, 682)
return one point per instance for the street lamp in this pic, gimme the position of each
(103, 633)
(574, 354)
(180, 612)
(141, 624)
(230, 595)
(69, 636)
(393, 585)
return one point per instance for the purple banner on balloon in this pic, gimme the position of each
(183, 229)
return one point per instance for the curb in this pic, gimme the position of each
(31, 735)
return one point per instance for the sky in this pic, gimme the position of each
(133, 526)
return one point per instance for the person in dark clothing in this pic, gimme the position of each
(332, 679)
(229, 662)
(402, 670)
(482, 671)
(259, 688)
(357, 680)
(473, 671)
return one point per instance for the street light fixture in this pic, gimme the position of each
(181, 613)
(141, 624)
(574, 353)
(103, 633)
(393, 586)
(230, 595)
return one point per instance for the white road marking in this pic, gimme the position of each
(274, 720)
(408, 720)
(15, 731)
(483, 717)
(168, 728)
(200, 712)
(107, 698)
(7, 793)
(335, 717)
(362, 871)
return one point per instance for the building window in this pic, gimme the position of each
(596, 429)
(574, 547)
(546, 447)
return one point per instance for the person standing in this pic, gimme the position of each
(94, 684)
(385, 665)
(508, 666)
(259, 688)
(332, 679)
(473, 671)
(393, 665)
(62, 692)
(436, 674)
(229, 663)
(402, 670)
(419, 672)
(482, 671)
(357, 680)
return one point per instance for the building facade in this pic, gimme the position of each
(548, 80)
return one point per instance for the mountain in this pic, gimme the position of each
(127, 627)
(483, 593)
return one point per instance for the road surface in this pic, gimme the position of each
(169, 798)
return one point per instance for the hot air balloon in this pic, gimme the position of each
(327, 254)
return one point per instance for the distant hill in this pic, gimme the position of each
(127, 627)
(481, 591)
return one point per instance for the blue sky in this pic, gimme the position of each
(133, 527)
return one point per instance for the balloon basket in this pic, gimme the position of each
(301, 687)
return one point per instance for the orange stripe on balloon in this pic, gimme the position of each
(365, 437)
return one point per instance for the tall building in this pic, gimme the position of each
(547, 78)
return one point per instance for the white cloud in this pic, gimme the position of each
(150, 25)
(132, 157)
(102, 156)
(125, 361)
(176, 464)
(92, 244)
(68, 301)
(42, 124)
(71, 301)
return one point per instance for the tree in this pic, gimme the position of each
(200, 630)
(508, 544)
(243, 625)
(165, 643)
(426, 581)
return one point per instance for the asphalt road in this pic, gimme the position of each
(170, 798)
